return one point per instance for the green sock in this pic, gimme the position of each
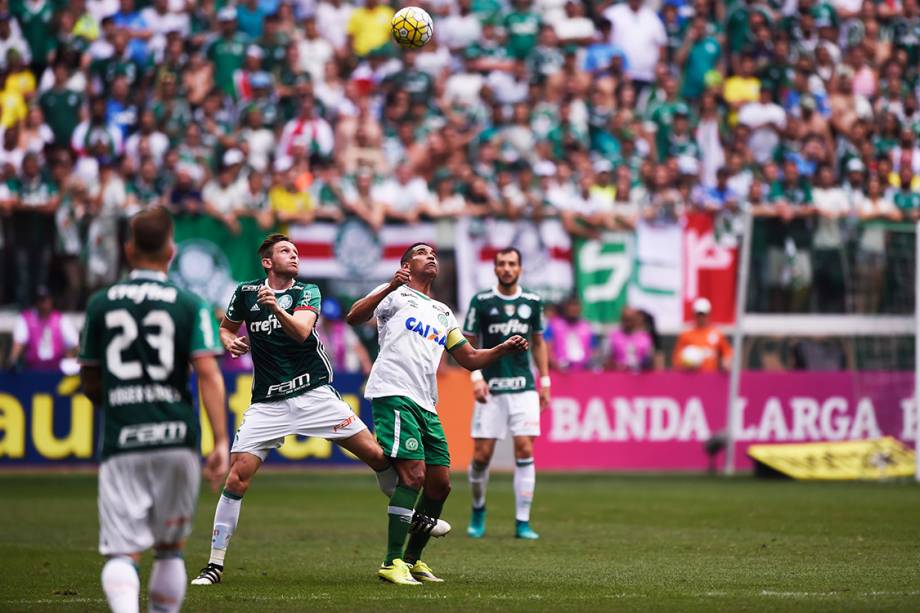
(400, 514)
(417, 542)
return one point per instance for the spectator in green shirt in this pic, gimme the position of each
(227, 51)
(522, 26)
(61, 106)
(905, 198)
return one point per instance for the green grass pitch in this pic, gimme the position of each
(313, 540)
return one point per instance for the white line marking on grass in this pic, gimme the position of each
(61, 600)
(830, 594)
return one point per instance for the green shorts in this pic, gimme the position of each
(406, 431)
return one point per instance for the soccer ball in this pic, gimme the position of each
(412, 27)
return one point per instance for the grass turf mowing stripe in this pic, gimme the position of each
(625, 542)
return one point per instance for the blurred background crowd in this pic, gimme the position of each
(601, 114)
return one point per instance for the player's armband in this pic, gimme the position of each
(455, 339)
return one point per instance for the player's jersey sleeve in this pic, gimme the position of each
(310, 300)
(471, 323)
(205, 339)
(91, 340)
(455, 337)
(386, 307)
(537, 320)
(234, 310)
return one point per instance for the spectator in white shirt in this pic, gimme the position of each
(640, 33)
(461, 29)
(404, 197)
(11, 38)
(574, 27)
(314, 51)
(332, 18)
(832, 205)
(224, 197)
(766, 119)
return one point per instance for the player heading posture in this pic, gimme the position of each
(139, 337)
(504, 392)
(413, 330)
(291, 391)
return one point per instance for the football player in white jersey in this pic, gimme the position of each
(413, 331)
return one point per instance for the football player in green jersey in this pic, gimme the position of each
(291, 390)
(414, 329)
(139, 337)
(505, 394)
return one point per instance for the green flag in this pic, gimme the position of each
(211, 260)
(603, 268)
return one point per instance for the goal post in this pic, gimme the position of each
(878, 341)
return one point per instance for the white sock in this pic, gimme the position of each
(121, 585)
(525, 479)
(226, 516)
(479, 480)
(167, 585)
(387, 480)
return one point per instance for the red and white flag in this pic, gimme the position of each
(546, 252)
(710, 269)
(353, 251)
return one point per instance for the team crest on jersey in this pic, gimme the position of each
(285, 301)
(509, 309)
(442, 318)
(524, 311)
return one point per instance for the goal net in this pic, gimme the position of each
(835, 314)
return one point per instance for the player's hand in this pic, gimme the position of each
(239, 346)
(216, 465)
(267, 298)
(400, 278)
(516, 344)
(481, 391)
(544, 398)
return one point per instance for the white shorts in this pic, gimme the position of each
(319, 412)
(147, 498)
(519, 412)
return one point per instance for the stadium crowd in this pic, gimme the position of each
(601, 113)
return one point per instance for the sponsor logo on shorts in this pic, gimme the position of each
(289, 386)
(142, 435)
(285, 301)
(344, 424)
(512, 326)
(507, 383)
(411, 444)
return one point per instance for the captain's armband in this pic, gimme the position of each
(455, 339)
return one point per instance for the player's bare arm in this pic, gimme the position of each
(480, 387)
(91, 381)
(234, 345)
(541, 359)
(474, 359)
(362, 310)
(211, 385)
(298, 326)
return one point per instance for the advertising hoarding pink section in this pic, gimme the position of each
(615, 421)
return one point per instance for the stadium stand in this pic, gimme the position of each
(607, 116)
